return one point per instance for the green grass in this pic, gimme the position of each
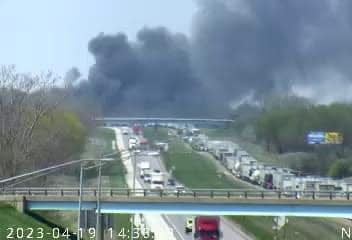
(260, 227)
(193, 169)
(11, 218)
(297, 228)
(156, 134)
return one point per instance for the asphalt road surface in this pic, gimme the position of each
(177, 222)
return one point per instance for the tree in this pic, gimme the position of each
(340, 169)
(24, 103)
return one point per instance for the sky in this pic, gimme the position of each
(53, 35)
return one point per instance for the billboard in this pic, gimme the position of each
(316, 137)
(333, 138)
(324, 137)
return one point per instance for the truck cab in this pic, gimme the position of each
(144, 167)
(157, 181)
(132, 143)
(204, 227)
(147, 175)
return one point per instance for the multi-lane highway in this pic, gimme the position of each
(176, 223)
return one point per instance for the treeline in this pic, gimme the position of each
(39, 127)
(285, 129)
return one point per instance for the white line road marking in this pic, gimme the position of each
(169, 222)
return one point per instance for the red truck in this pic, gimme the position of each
(204, 227)
(136, 129)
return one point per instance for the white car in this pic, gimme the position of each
(153, 153)
(147, 178)
(180, 189)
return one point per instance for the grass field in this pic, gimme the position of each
(11, 218)
(193, 169)
(196, 171)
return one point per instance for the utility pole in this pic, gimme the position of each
(134, 169)
(133, 185)
(99, 231)
(80, 203)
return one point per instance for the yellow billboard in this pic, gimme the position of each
(333, 138)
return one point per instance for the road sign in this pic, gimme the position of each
(324, 137)
(316, 137)
(333, 138)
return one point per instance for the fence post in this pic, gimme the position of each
(313, 195)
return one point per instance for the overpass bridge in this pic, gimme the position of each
(194, 202)
(117, 121)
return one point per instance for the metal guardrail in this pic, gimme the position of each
(162, 119)
(178, 194)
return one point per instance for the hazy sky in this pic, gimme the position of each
(53, 34)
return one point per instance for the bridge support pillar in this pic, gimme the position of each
(100, 229)
(21, 204)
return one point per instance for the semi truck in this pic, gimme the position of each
(132, 143)
(255, 177)
(230, 162)
(212, 146)
(247, 168)
(267, 177)
(125, 131)
(204, 227)
(147, 175)
(219, 151)
(157, 181)
(283, 180)
(143, 167)
(136, 130)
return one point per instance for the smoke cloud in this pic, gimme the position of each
(272, 46)
(237, 48)
(151, 76)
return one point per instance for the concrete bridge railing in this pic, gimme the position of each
(210, 194)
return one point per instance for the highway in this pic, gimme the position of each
(177, 222)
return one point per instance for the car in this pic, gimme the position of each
(156, 170)
(153, 153)
(189, 225)
(171, 182)
(147, 178)
(180, 189)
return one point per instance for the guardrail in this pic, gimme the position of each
(178, 194)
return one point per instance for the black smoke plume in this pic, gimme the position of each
(149, 77)
(274, 46)
(238, 48)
